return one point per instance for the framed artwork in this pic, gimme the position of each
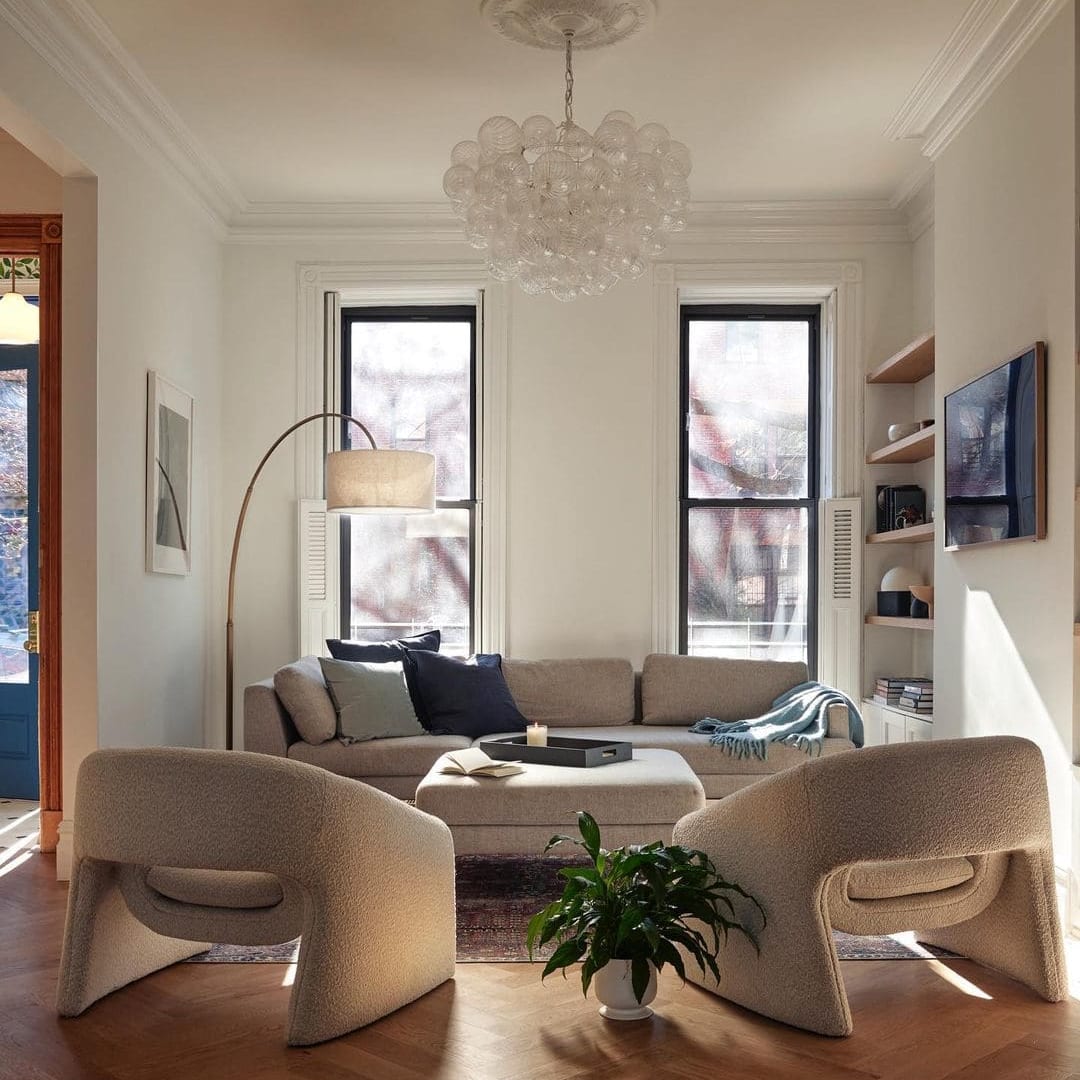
(169, 416)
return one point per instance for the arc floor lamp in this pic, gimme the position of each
(368, 481)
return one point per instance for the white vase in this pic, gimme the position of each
(615, 991)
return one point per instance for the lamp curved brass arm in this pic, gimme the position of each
(236, 550)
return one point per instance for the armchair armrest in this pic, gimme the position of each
(838, 726)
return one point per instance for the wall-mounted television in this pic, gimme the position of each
(995, 454)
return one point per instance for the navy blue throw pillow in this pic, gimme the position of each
(383, 652)
(462, 697)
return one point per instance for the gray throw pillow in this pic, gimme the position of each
(302, 691)
(372, 700)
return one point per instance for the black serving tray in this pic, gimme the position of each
(573, 753)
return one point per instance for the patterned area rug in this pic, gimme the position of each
(496, 897)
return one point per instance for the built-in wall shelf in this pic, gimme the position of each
(905, 451)
(916, 534)
(898, 390)
(910, 365)
(901, 622)
(928, 717)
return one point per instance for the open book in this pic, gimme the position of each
(472, 761)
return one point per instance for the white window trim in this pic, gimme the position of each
(358, 283)
(838, 287)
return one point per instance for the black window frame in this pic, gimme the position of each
(811, 314)
(463, 313)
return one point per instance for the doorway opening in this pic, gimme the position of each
(30, 687)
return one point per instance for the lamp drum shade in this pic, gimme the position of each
(900, 578)
(380, 482)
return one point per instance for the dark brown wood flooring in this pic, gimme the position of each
(497, 1022)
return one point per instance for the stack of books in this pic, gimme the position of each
(890, 689)
(918, 697)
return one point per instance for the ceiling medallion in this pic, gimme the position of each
(562, 210)
(543, 23)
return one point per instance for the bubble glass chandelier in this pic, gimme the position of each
(562, 210)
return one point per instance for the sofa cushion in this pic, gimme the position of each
(883, 880)
(372, 700)
(410, 756)
(700, 755)
(379, 652)
(685, 689)
(301, 689)
(216, 888)
(580, 693)
(653, 787)
(462, 697)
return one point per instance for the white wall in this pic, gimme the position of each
(579, 447)
(154, 262)
(1005, 246)
(27, 184)
(922, 275)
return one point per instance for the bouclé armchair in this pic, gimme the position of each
(177, 848)
(950, 839)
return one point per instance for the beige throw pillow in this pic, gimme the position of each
(302, 690)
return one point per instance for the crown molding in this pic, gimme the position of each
(813, 221)
(78, 45)
(914, 199)
(345, 222)
(987, 43)
(73, 39)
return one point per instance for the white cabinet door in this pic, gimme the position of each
(918, 730)
(895, 728)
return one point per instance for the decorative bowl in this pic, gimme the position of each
(923, 594)
(902, 431)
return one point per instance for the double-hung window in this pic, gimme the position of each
(409, 374)
(749, 481)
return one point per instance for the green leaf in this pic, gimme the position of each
(648, 928)
(555, 841)
(590, 834)
(668, 954)
(584, 875)
(569, 952)
(630, 919)
(639, 976)
(537, 924)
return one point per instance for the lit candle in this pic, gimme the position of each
(536, 735)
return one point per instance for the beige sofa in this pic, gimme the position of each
(587, 698)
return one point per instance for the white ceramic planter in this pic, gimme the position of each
(615, 992)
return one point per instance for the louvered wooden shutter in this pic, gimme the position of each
(840, 616)
(317, 548)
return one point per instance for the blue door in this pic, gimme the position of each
(18, 570)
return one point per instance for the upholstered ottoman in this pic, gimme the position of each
(634, 802)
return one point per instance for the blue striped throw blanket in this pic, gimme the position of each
(798, 717)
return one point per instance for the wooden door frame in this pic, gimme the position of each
(41, 235)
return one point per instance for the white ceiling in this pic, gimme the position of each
(361, 100)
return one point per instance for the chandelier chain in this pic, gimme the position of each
(569, 77)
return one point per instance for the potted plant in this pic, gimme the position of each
(627, 915)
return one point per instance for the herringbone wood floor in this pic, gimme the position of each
(496, 1022)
